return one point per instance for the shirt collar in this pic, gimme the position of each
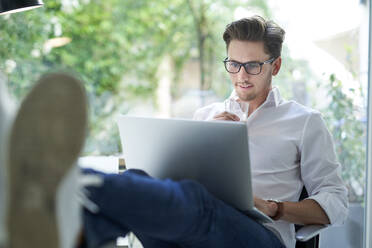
(274, 97)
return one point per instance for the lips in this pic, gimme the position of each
(245, 86)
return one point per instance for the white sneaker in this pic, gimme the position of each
(71, 197)
(46, 138)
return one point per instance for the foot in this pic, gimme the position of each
(46, 138)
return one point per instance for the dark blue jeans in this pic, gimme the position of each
(165, 213)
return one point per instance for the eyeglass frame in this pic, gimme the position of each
(269, 61)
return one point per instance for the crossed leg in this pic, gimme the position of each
(165, 213)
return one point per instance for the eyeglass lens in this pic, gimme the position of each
(251, 68)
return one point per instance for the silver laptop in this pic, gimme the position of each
(214, 154)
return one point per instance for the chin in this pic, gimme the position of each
(245, 97)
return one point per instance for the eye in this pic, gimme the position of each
(252, 65)
(234, 64)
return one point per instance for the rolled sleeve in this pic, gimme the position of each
(321, 172)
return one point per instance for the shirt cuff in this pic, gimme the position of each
(335, 206)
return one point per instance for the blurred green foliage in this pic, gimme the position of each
(345, 122)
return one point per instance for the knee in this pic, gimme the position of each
(194, 189)
(191, 184)
(137, 172)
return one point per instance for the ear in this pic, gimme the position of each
(276, 66)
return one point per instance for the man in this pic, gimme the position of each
(290, 146)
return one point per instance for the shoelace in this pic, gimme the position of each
(83, 193)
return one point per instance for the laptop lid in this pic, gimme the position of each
(214, 154)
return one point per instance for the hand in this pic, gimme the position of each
(226, 116)
(268, 208)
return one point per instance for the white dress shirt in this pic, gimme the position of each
(290, 147)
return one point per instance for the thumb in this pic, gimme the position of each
(273, 208)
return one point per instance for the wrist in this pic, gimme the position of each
(279, 210)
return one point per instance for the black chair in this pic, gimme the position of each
(307, 236)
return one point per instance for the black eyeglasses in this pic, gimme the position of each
(253, 68)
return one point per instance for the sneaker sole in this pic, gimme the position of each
(45, 141)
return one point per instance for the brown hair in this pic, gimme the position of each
(256, 28)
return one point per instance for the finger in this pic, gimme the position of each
(227, 116)
(233, 117)
(273, 208)
(224, 118)
(272, 205)
(221, 114)
(236, 118)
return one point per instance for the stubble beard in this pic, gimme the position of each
(245, 97)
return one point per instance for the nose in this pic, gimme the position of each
(242, 75)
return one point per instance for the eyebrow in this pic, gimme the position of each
(254, 61)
